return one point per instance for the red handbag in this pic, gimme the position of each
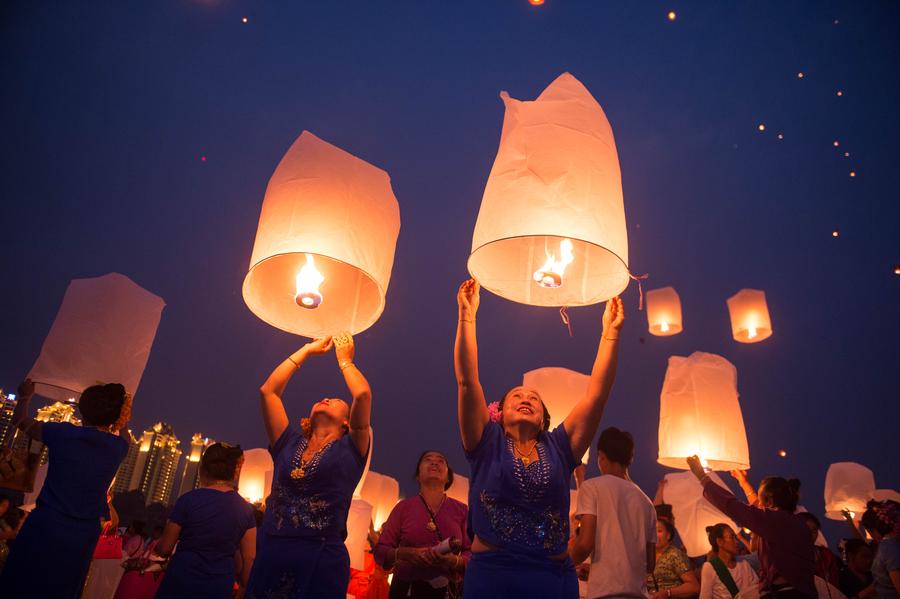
(108, 547)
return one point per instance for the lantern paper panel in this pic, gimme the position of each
(358, 519)
(700, 414)
(383, 493)
(750, 322)
(255, 481)
(328, 210)
(663, 312)
(551, 228)
(459, 490)
(692, 512)
(357, 492)
(560, 390)
(103, 332)
(886, 495)
(849, 486)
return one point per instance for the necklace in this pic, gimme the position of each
(525, 457)
(432, 525)
(300, 466)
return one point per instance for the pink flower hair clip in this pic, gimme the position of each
(494, 411)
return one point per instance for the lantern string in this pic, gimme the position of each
(639, 278)
(564, 314)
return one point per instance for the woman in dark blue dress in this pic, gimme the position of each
(300, 548)
(210, 524)
(519, 490)
(53, 551)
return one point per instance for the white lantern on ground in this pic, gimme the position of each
(663, 312)
(358, 519)
(324, 248)
(459, 490)
(255, 482)
(383, 493)
(692, 512)
(560, 390)
(700, 414)
(103, 332)
(848, 486)
(750, 322)
(551, 228)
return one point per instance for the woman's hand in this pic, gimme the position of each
(422, 557)
(468, 297)
(659, 595)
(318, 346)
(344, 349)
(696, 467)
(613, 317)
(739, 475)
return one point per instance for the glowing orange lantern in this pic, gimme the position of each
(699, 414)
(255, 481)
(551, 228)
(560, 390)
(459, 490)
(383, 493)
(325, 244)
(848, 486)
(750, 322)
(664, 312)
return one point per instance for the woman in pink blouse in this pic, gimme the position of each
(418, 524)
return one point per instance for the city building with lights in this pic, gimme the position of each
(7, 405)
(157, 460)
(190, 478)
(122, 481)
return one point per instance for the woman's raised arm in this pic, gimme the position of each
(472, 410)
(361, 408)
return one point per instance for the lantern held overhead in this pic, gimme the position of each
(324, 248)
(750, 322)
(551, 228)
(699, 414)
(692, 512)
(560, 389)
(664, 312)
(255, 481)
(383, 493)
(848, 486)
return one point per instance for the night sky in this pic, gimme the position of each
(107, 112)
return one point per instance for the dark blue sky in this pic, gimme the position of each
(106, 111)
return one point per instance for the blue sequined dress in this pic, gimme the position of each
(524, 511)
(300, 547)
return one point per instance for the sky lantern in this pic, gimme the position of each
(383, 493)
(664, 312)
(848, 486)
(324, 247)
(750, 322)
(886, 495)
(358, 519)
(692, 512)
(560, 389)
(255, 482)
(699, 414)
(551, 228)
(103, 332)
(459, 490)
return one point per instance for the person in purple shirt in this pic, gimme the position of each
(786, 553)
(300, 548)
(210, 525)
(63, 529)
(521, 471)
(415, 526)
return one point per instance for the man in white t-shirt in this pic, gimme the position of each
(618, 524)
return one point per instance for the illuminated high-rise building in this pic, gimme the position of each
(56, 412)
(156, 463)
(7, 405)
(122, 481)
(190, 479)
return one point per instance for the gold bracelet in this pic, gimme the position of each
(611, 338)
(291, 360)
(345, 366)
(467, 320)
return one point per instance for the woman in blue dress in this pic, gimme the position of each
(300, 548)
(519, 490)
(53, 551)
(211, 525)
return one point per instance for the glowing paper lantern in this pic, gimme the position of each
(560, 390)
(663, 312)
(749, 313)
(358, 519)
(459, 490)
(357, 492)
(383, 493)
(551, 229)
(324, 248)
(103, 332)
(699, 414)
(255, 482)
(848, 486)
(692, 512)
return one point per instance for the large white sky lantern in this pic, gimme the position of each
(103, 332)
(383, 493)
(560, 389)
(849, 486)
(324, 247)
(255, 482)
(358, 532)
(749, 313)
(663, 311)
(692, 512)
(551, 229)
(459, 490)
(699, 414)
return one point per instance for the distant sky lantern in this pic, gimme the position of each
(750, 322)
(840, 93)
(782, 453)
(846, 154)
(104, 331)
(897, 270)
(852, 173)
(800, 75)
(535, 2)
(383, 493)
(551, 228)
(848, 486)
(835, 233)
(560, 389)
(835, 143)
(244, 20)
(700, 414)
(761, 127)
(255, 482)
(324, 248)
(781, 136)
(663, 312)
(672, 16)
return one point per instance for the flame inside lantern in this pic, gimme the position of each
(308, 281)
(664, 327)
(550, 275)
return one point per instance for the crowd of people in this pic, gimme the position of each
(515, 538)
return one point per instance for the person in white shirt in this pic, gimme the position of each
(723, 576)
(618, 524)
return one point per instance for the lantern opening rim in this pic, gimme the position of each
(680, 463)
